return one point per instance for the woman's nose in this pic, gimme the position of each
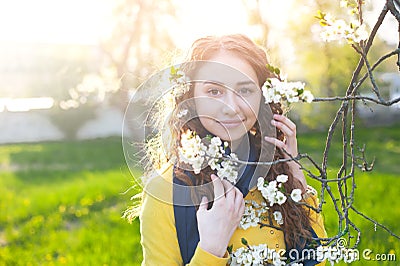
(231, 103)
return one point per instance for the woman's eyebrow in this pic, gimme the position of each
(245, 82)
(219, 83)
(214, 82)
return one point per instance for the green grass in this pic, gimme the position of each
(61, 202)
(375, 193)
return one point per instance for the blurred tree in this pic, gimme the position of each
(138, 42)
(326, 67)
(254, 10)
(318, 63)
(71, 120)
(314, 61)
(136, 46)
(42, 69)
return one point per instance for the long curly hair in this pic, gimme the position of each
(161, 148)
(296, 219)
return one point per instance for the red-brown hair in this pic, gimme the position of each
(296, 222)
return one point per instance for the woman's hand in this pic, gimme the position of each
(289, 144)
(217, 225)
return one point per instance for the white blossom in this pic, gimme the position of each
(343, 3)
(180, 83)
(278, 217)
(227, 170)
(256, 255)
(182, 113)
(275, 91)
(215, 152)
(307, 96)
(360, 34)
(262, 255)
(338, 29)
(252, 214)
(280, 198)
(194, 152)
(296, 194)
(270, 190)
(216, 141)
(282, 178)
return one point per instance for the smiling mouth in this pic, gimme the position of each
(231, 123)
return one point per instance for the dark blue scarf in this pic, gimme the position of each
(185, 216)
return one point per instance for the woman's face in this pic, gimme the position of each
(227, 96)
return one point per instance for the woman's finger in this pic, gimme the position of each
(238, 200)
(289, 130)
(241, 208)
(229, 190)
(290, 148)
(219, 190)
(284, 128)
(276, 142)
(203, 204)
(285, 121)
(227, 185)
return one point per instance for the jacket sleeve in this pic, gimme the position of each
(158, 235)
(316, 219)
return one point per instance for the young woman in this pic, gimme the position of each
(252, 215)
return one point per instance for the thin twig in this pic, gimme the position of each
(375, 222)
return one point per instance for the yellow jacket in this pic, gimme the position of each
(158, 233)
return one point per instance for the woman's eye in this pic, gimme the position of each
(245, 91)
(214, 91)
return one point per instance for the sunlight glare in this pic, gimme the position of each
(202, 18)
(25, 104)
(49, 21)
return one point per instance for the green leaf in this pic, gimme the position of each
(271, 68)
(244, 241)
(230, 248)
(323, 23)
(173, 71)
(320, 15)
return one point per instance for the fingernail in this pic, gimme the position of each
(273, 122)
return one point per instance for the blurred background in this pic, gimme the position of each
(69, 68)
